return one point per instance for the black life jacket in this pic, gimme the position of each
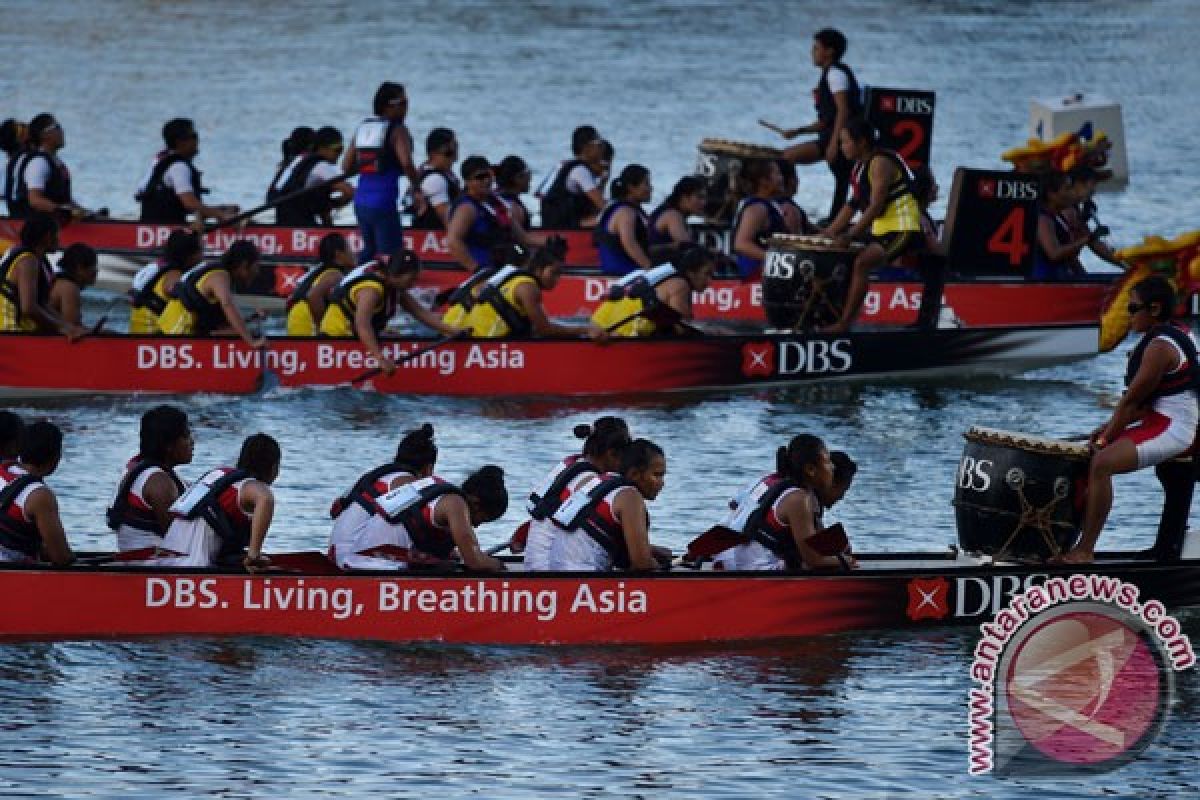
(1185, 380)
(234, 534)
(122, 512)
(209, 315)
(860, 179)
(15, 534)
(426, 537)
(305, 210)
(775, 221)
(464, 294)
(57, 190)
(825, 104)
(562, 208)
(541, 506)
(11, 171)
(300, 293)
(341, 296)
(429, 220)
(8, 288)
(779, 542)
(364, 492)
(159, 202)
(587, 518)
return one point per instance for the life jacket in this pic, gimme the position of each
(17, 533)
(464, 297)
(343, 295)
(378, 169)
(429, 220)
(614, 260)
(653, 234)
(209, 315)
(305, 210)
(562, 208)
(547, 497)
(825, 104)
(588, 511)
(305, 285)
(57, 189)
(212, 498)
(752, 516)
(805, 225)
(124, 512)
(11, 171)
(494, 314)
(751, 267)
(145, 291)
(492, 227)
(410, 505)
(1043, 267)
(367, 489)
(513, 200)
(159, 202)
(10, 294)
(902, 213)
(1185, 379)
(635, 295)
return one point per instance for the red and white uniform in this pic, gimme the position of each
(353, 530)
(379, 543)
(15, 516)
(129, 537)
(575, 550)
(753, 555)
(542, 531)
(1169, 428)
(196, 542)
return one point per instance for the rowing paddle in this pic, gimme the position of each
(772, 127)
(278, 201)
(515, 543)
(420, 351)
(831, 541)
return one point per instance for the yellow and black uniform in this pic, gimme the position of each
(898, 228)
(148, 299)
(300, 321)
(343, 302)
(11, 318)
(496, 313)
(464, 298)
(633, 296)
(189, 312)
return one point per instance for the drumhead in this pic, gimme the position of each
(739, 149)
(789, 241)
(1028, 442)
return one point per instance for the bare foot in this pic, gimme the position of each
(1078, 557)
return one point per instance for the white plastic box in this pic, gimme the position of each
(1050, 117)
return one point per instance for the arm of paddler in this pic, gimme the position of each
(26, 278)
(222, 292)
(318, 295)
(529, 297)
(839, 223)
(1049, 242)
(258, 500)
(42, 508)
(452, 512)
(797, 513)
(624, 221)
(744, 243)
(369, 300)
(64, 301)
(629, 507)
(160, 492)
(456, 235)
(883, 172)
(402, 147)
(1159, 359)
(676, 294)
(842, 101)
(426, 317)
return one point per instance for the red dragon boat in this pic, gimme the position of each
(44, 365)
(304, 595)
(126, 246)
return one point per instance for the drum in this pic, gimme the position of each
(1019, 496)
(719, 162)
(805, 280)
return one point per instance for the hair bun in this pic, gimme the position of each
(491, 472)
(426, 430)
(582, 431)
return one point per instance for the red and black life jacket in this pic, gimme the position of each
(124, 512)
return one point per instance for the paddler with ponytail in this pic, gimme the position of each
(779, 515)
(657, 301)
(622, 232)
(152, 285)
(758, 216)
(224, 517)
(366, 300)
(509, 301)
(401, 513)
(479, 221)
(889, 218)
(202, 301)
(602, 524)
(141, 510)
(604, 442)
(308, 301)
(26, 277)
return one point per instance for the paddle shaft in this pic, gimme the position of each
(420, 351)
(772, 127)
(278, 201)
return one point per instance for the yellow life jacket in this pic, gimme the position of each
(496, 313)
(189, 312)
(463, 298)
(300, 321)
(148, 298)
(902, 214)
(343, 303)
(11, 318)
(631, 296)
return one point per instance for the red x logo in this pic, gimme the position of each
(758, 359)
(887, 102)
(286, 279)
(987, 189)
(928, 598)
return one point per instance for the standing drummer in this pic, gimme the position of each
(837, 99)
(1156, 419)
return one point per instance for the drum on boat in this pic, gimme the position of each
(805, 280)
(719, 162)
(1019, 496)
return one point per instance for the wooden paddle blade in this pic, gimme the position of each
(716, 539)
(520, 537)
(831, 541)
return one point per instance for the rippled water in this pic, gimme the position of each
(876, 714)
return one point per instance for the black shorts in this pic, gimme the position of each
(900, 243)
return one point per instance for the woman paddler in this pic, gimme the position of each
(152, 285)
(1156, 418)
(30, 527)
(76, 271)
(779, 515)
(366, 299)
(602, 524)
(668, 222)
(656, 301)
(622, 233)
(401, 513)
(25, 280)
(141, 510)
(202, 302)
(224, 517)
(308, 301)
(758, 216)
(480, 221)
(604, 441)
